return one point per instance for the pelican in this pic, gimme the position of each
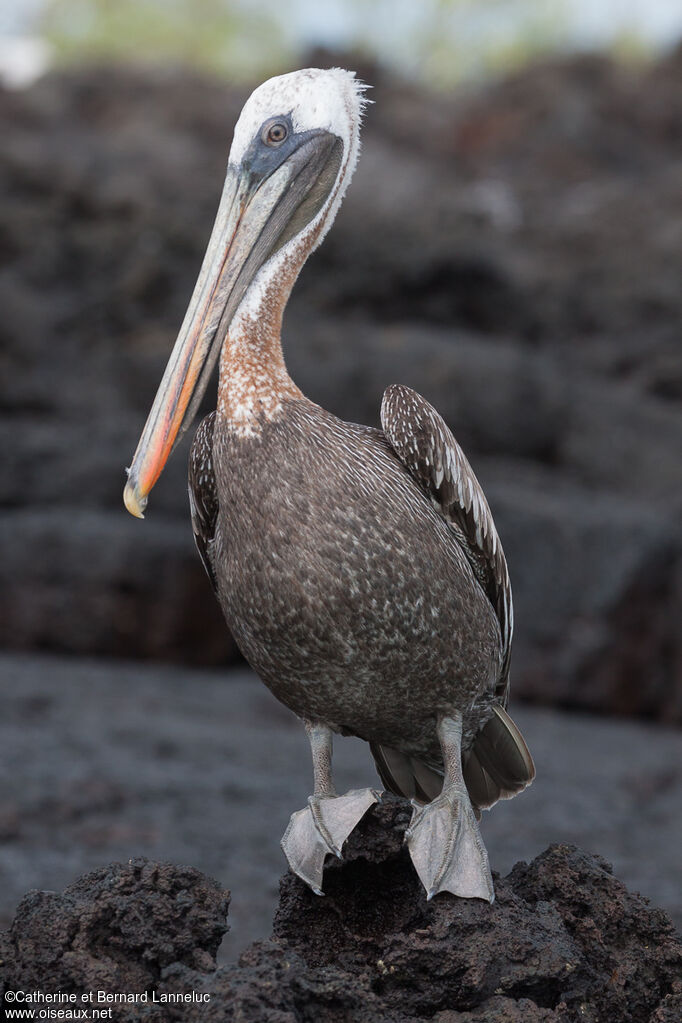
(358, 569)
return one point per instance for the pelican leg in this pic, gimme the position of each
(443, 838)
(327, 821)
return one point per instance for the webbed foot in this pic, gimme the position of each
(320, 829)
(447, 850)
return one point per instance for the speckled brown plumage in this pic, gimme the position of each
(347, 591)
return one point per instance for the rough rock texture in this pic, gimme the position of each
(116, 929)
(564, 941)
(519, 265)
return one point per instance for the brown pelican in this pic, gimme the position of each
(359, 570)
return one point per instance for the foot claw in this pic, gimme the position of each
(320, 830)
(417, 811)
(447, 850)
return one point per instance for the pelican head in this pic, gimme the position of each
(294, 152)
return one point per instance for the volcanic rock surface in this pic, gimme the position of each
(511, 253)
(564, 941)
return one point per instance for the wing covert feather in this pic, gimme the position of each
(428, 450)
(203, 492)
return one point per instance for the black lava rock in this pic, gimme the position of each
(564, 941)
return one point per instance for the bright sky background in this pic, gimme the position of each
(587, 22)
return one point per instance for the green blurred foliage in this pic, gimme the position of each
(441, 42)
(452, 40)
(212, 35)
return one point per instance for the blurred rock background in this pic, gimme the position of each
(510, 247)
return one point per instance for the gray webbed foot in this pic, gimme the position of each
(320, 829)
(447, 849)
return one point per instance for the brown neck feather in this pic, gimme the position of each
(254, 380)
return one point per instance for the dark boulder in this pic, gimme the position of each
(564, 941)
(79, 581)
(115, 930)
(518, 264)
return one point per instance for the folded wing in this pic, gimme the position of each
(203, 493)
(499, 764)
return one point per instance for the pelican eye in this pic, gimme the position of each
(274, 133)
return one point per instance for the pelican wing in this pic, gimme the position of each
(434, 459)
(203, 493)
(498, 765)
